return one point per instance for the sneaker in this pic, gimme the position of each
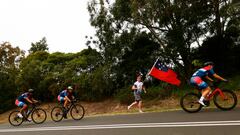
(202, 103)
(128, 107)
(19, 115)
(140, 111)
(65, 115)
(29, 119)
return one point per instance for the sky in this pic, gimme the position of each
(64, 23)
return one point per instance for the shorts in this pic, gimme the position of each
(19, 103)
(197, 81)
(137, 95)
(60, 99)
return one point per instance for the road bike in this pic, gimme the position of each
(38, 116)
(75, 109)
(223, 99)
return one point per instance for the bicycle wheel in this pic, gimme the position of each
(77, 112)
(57, 114)
(39, 116)
(189, 103)
(228, 102)
(14, 119)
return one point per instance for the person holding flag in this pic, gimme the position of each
(137, 90)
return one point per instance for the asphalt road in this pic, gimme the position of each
(206, 122)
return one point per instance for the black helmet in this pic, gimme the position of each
(30, 90)
(208, 63)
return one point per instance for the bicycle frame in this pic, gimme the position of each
(216, 90)
(69, 106)
(30, 111)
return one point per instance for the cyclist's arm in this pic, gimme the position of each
(34, 100)
(67, 98)
(30, 101)
(218, 77)
(210, 79)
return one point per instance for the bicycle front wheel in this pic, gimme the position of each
(39, 116)
(189, 103)
(57, 114)
(227, 102)
(77, 112)
(14, 119)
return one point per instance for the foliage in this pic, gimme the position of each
(130, 35)
(9, 61)
(39, 46)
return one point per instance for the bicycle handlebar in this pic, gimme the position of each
(217, 83)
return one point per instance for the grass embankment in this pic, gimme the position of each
(114, 107)
(157, 99)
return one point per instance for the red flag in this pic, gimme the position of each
(164, 73)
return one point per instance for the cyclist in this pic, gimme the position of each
(65, 97)
(21, 102)
(199, 75)
(138, 88)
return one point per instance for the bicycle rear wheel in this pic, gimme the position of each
(189, 103)
(39, 116)
(57, 114)
(77, 112)
(228, 102)
(14, 119)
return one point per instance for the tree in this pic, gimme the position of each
(39, 46)
(9, 61)
(174, 25)
(223, 46)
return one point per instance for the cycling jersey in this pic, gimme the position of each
(24, 96)
(63, 93)
(202, 72)
(196, 78)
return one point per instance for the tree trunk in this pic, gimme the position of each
(217, 17)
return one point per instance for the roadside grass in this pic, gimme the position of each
(114, 107)
(157, 99)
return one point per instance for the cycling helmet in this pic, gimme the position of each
(208, 63)
(30, 90)
(69, 88)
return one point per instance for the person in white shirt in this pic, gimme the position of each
(137, 89)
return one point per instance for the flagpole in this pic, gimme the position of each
(153, 66)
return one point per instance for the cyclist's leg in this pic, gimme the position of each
(205, 92)
(65, 103)
(19, 104)
(197, 81)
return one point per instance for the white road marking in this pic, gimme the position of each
(119, 126)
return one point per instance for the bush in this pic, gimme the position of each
(125, 95)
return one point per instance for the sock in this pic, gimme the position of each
(201, 99)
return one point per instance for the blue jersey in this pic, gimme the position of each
(24, 96)
(202, 72)
(63, 93)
